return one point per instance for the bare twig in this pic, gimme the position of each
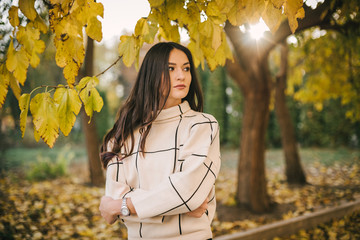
(118, 59)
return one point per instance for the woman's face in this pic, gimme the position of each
(180, 77)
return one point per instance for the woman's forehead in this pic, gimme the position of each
(178, 57)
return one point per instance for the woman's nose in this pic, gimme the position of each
(180, 74)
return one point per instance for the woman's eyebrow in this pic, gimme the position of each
(170, 63)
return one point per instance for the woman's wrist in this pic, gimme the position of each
(130, 206)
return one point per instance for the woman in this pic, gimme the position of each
(162, 156)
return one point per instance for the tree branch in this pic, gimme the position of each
(313, 17)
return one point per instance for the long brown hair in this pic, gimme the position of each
(146, 100)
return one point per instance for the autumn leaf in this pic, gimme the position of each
(90, 96)
(272, 16)
(4, 83)
(24, 108)
(127, 49)
(45, 117)
(40, 24)
(93, 29)
(14, 85)
(14, 16)
(156, 3)
(29, 37)
(293, 11)
(69, 106)
(237, 14)
(216, 37)
(17, 62)
(28, 9)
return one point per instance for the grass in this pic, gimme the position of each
(23, 158)
(275, 157)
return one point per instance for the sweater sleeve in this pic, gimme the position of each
(117, 188)
(186, 189)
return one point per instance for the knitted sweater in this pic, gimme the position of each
(174, 176)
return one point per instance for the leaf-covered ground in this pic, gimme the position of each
(66, 208)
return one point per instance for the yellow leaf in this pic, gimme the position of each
(214, 13)
(142, 27)
(69, 26)
(24, 108)
(14, 16)
(272, 16)
(69, 106)
(45, 117)
(83, 82)
(254, 9)
(175, 10)
(225, 5)
(4, 83)
(237, 14)
(155, 3)
(70, 55)
(292, 7)
(14, 85)
(70, 72)
(91, 97)
(36, 135)
(277, 3)
(29, 37)
(216, 37)
(197, 53)
(40, 24)
(28, 9)
(127, 49)
(93, 29)
(17, 62)
(206, 28)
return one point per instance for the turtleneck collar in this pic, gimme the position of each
(173, 112)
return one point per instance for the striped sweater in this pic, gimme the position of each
(174, 176)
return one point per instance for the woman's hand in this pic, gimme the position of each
(200, 210)
(110, 209)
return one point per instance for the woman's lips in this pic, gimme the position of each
(180, 86)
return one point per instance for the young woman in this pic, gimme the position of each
(162, 156)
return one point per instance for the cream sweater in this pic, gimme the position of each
(174, 176)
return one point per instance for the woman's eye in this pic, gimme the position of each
(171, 68)
(187, 69)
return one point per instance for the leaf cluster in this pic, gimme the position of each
(67, 19)
(204, 22)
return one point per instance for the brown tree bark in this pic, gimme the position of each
(251, 73)
(90, 131)
(293, 168)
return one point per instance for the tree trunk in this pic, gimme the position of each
(90, 131)
(250, 71)
(251, 188)
(294, 170)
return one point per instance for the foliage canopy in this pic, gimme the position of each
(67, 19)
